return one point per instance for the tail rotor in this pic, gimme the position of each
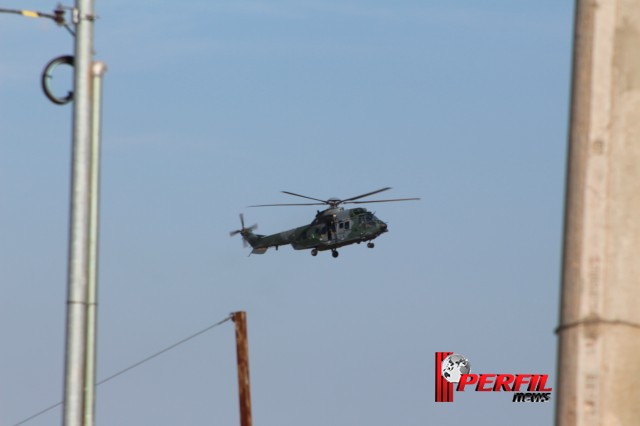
(244, 231)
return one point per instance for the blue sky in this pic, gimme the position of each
(213, 106)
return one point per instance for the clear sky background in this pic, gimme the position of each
(211, 106)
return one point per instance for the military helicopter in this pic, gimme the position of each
(331, 228)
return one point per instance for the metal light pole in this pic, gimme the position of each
(83, 17)
(97, 71)
(79, 383)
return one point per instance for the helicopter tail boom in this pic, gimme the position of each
(253, 240)
(260, 243)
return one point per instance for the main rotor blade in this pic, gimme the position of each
(304, 196)
(382, 201)
(366, 195)
(295, 204)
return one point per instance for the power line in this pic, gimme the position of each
(34, 14)
(57, 16)
(131, 367)
(167, 349)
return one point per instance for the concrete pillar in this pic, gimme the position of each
(599, 331)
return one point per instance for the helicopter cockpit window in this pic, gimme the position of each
(369, 217)
(341, 225)
(347, 224)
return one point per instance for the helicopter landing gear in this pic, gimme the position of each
(334, 253)
(370, 245)
(314, 252)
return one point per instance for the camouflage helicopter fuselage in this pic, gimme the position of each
(331, 229)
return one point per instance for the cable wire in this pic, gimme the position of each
(57, 16)
(31, 14)
(131, 367)
(167, 349)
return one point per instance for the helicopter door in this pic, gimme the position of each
(342, 229)
(323, 233)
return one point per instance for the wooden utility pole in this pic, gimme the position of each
(242, 351)
(599, 331)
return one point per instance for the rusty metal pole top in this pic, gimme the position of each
(242, 351)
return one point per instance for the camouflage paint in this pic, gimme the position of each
(331, 229)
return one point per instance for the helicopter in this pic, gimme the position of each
(331, 228)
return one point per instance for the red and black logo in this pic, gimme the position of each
(451, 368)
